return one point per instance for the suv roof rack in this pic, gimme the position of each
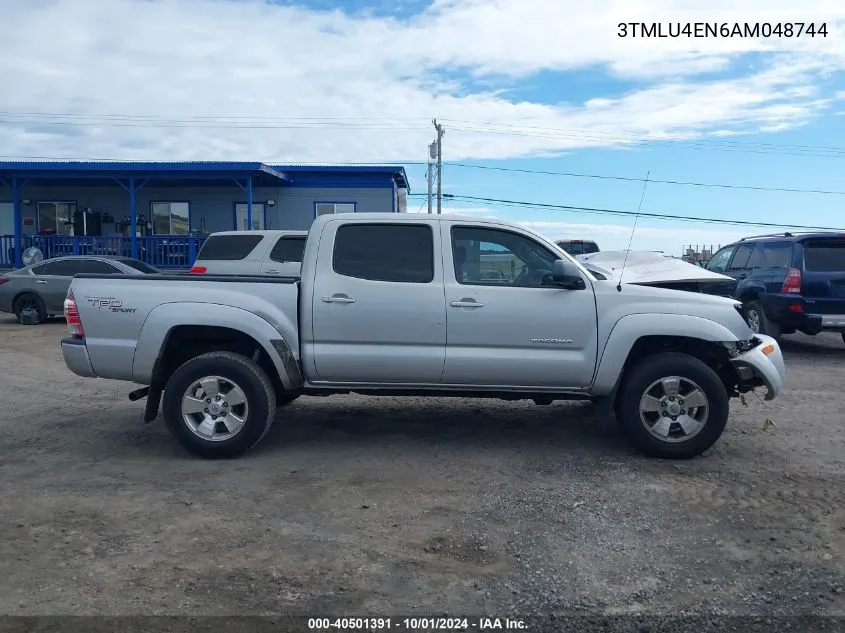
(785, 234)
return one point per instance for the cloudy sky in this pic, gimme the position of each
(542, 101)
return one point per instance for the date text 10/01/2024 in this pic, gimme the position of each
(415, 624)
(712, 29)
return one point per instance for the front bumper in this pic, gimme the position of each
(763, 364)
(76, 357)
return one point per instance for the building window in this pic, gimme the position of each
(325, 208)
(55, 216)
(242, 216)
(170, 218)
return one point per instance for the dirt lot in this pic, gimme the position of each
(399, 505)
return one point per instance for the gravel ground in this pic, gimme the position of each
(379, 506)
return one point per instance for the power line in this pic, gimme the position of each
(216, 125)
(619, 212)
(609, 140)
(652, 180)
(381, 122)
(639, 137)
(72, 115)
(502, 169)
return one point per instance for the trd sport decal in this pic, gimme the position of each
(109, 303)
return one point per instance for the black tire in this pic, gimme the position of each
(635, 384)
(30, 300)
(259, 395)
(765, 324)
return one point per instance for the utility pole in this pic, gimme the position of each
(440, 133)
(429, 174)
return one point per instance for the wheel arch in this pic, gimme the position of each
(633, 338)
(166, 341)
(28, 292)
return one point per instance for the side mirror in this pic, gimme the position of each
(566, 275)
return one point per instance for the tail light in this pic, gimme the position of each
(198, 270)
(3, 280)
(74, 323)
(792, 285)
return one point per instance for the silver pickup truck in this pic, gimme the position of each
(418, 305)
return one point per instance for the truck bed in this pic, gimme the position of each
(126, 341)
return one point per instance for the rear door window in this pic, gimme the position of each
(777, 254)
(288, 249)
(740, 260)
(401, 253)
(97, 267)
(827, 255)
(228, 247)
(62, 268)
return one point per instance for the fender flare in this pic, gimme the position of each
(633, 327)
(162, 319)
(750, 291)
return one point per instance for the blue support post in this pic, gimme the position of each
(17, 185)
(132, 188)
(133, 218)
(249, 203)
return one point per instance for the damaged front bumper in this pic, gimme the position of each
(760, 364)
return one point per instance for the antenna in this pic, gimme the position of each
(631, 239)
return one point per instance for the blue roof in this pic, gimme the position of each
(397, 171)
(185, 168)
(141, 168)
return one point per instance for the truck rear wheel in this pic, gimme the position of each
(672, 406)
(219, 404)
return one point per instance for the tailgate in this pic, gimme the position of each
(823, 280)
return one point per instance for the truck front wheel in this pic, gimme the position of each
(672, 405)
(219, 404)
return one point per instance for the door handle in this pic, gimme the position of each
(272, 272)
(338, 299)
(40, 281)
(466, 303)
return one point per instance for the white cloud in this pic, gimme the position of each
(365, 88)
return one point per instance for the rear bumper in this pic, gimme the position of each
(76, 357)
(763, 364)
(795, 312)
(835, 322)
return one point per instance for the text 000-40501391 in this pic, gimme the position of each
(415, 624)
(723, 29)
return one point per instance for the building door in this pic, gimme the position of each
(241, 216)
(56, 217)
